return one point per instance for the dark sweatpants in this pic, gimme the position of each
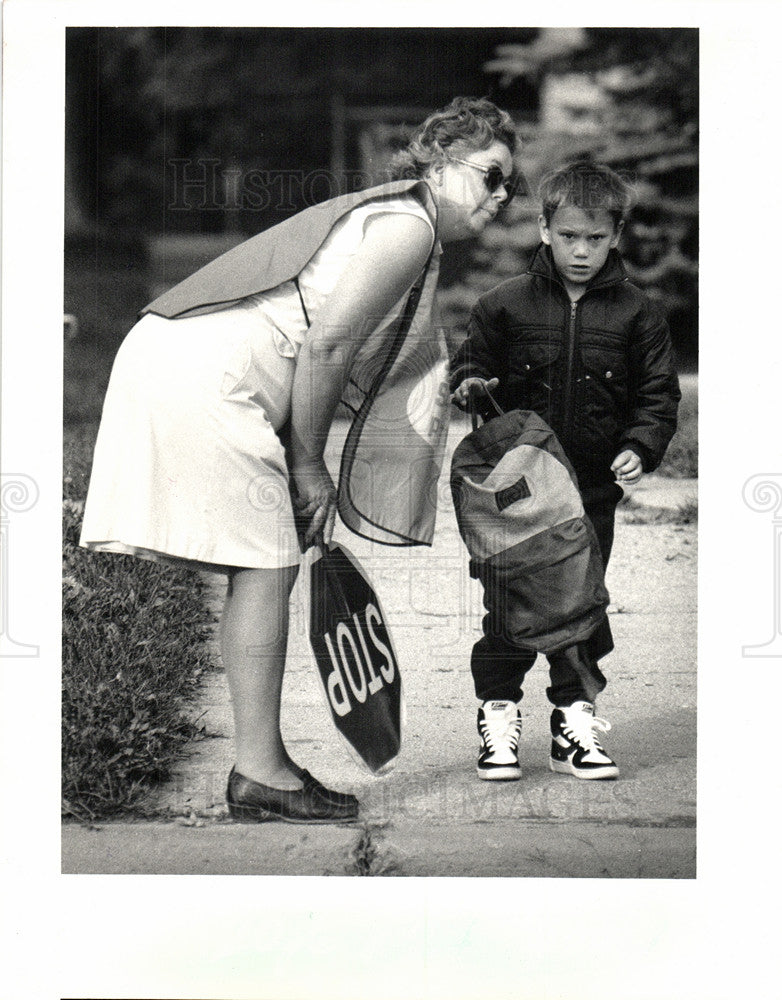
(498, 667)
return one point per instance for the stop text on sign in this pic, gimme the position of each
(352, 659)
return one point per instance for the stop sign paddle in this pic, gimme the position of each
(355, 658)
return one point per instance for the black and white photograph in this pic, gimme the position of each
(341, 261)
(400, 500)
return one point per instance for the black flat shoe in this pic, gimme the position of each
(251, 802)
(342, 799)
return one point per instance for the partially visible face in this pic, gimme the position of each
(579, 241)
(465, 202)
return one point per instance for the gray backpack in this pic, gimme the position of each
(531, 545)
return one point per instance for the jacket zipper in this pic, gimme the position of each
(570, 387)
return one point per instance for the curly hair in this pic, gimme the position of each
(474, 122)
(588, 185)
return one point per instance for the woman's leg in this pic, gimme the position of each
(254, 639)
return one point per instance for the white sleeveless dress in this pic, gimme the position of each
(188, 466)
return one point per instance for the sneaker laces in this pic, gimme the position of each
(580, 726)
(501, 729)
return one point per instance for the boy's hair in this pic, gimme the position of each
(587, 185)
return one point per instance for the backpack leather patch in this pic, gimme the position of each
(518, 491)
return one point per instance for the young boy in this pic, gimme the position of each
(575, 342)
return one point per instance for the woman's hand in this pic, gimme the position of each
(472, 387)
(315, 499)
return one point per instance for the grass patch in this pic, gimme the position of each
(134, 633)
(681, 458)
(634, 512)
(133, 652)
(368, 858)
(686, 513)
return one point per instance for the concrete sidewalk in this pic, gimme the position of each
(431, 815)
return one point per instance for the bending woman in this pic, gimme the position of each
(262, 344)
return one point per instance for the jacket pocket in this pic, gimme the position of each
(531, 353)
(605, 365)
(535, 372)
(603, 394)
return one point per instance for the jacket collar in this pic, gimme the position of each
(611, 273)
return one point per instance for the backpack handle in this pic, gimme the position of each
(474, 412)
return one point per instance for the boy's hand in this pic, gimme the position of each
(627, 467)
(472, 386)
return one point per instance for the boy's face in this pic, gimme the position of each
(580, 241)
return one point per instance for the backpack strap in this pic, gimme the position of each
(474, 411)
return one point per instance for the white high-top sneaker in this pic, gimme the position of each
(499, 726)
(575, 747)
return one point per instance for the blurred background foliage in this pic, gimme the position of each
(629, 98)
(180, 142)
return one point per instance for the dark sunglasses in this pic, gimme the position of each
(493, 178)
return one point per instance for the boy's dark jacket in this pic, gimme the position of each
(600, 373)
